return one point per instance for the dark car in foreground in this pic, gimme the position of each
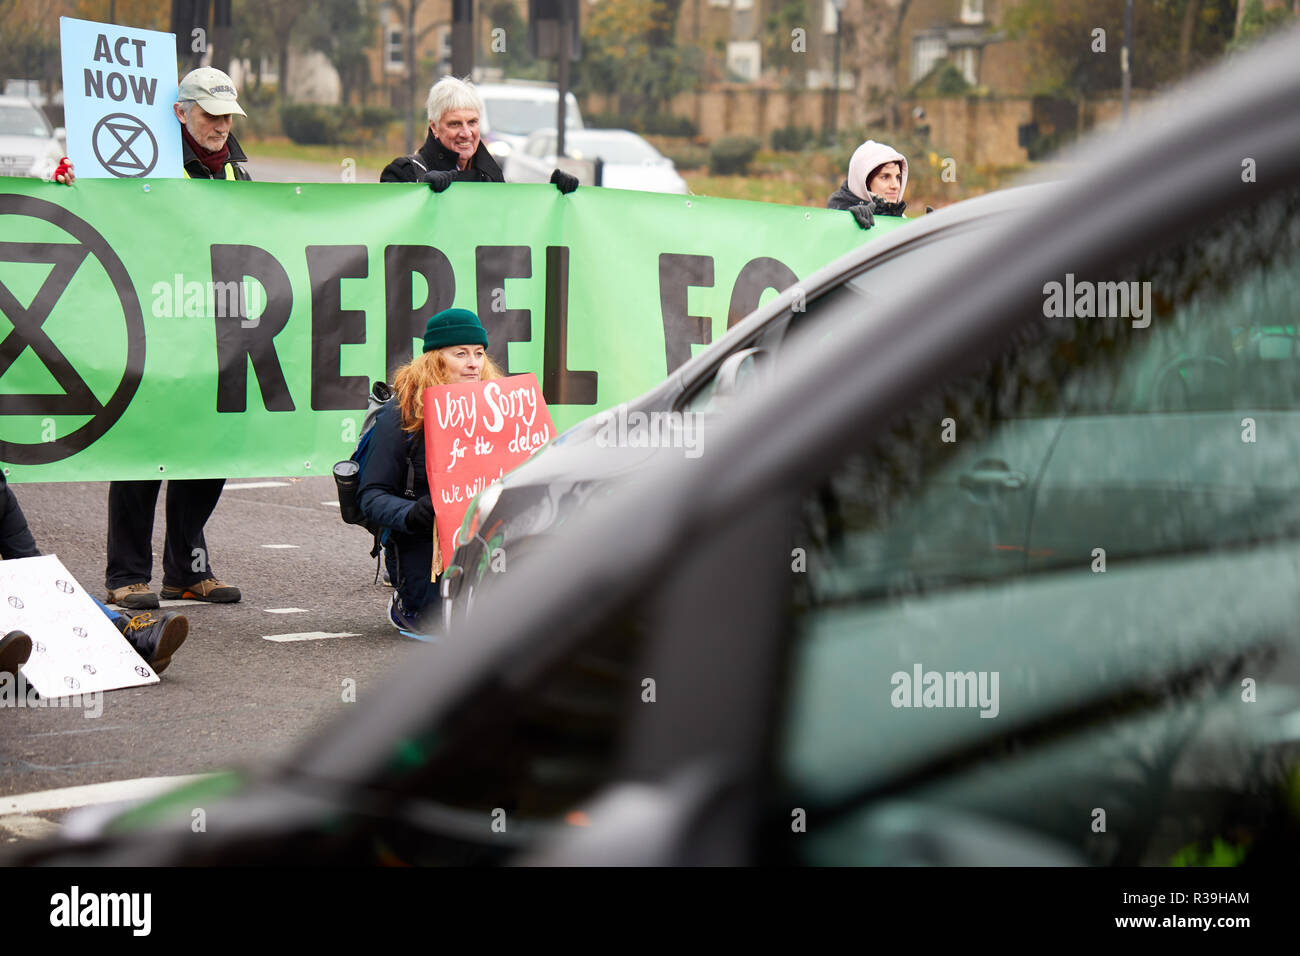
(888, 615)
(513, 518)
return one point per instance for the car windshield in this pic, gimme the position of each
(612, 149)
(22, 120)
(1106, 504)
(521, 116)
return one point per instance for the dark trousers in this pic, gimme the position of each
(409, 559)
(130, 531)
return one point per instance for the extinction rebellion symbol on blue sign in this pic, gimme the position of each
(124, 145)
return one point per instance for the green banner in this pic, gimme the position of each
(210, 329)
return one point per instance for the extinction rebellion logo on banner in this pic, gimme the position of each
(30, 304)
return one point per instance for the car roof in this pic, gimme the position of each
(539, 93)
(17, 101)
(1194, 140)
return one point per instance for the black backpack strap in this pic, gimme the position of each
(410, 469)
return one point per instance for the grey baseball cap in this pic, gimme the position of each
(212, 90)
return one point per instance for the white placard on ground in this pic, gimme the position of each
(75, 647)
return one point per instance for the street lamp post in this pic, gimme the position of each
(1126, 53)
(835, 72)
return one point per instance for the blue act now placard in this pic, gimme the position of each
(119, 85)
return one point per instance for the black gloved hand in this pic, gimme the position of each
(438, 179)
(419, 520)
(862, 213)
(564, 182)
(883, 207)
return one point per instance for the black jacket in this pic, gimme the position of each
(382, 483)
(845, 198)
(196, 170)
(433, 155)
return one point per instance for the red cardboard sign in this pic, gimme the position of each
(474, 432)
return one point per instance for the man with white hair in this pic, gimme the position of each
(454, 151)
(205, 104)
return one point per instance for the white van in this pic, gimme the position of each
(517, 107)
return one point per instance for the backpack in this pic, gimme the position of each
(347, 473)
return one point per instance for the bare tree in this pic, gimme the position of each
(873, 31)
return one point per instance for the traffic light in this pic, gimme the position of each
(544, 28)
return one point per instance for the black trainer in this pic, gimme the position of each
(15, 648)
(156, 637)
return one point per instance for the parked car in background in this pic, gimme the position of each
(516, 108)
(28, 146)
(984, 573)
(627, 161)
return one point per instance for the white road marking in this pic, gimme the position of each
(257, 484)
(306, 636)
(332, 504)
(23, 827)
(281, 546)
(65, 798)
(286, 610)
(177, 602)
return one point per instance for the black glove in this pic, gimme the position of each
(419, 520)
(564, 182)
(884, 207)
(862, 213)
(438, 179)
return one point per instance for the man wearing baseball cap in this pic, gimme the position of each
(205, 104)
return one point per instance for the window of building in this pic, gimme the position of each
(828, 16)
(744, 59)
(927, 50)
(972, 11)
(394, 48)
(964, 59)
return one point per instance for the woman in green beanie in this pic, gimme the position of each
(455, 350)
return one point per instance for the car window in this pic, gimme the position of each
(22, 120)
(522, 115)
(1045, 593)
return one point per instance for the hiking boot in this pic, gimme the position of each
(136, 597)
(210, 590)
(155, 637)
(15, 648)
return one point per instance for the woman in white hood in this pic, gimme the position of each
(875, 185)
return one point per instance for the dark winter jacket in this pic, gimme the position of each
(433, 155)
(845, 198)
(16, 539)
(382, 483)
(194, 168)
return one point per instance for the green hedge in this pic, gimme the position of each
(732, 155)
(311, 124)
(688, 157)
(654, 124)
(792, 138)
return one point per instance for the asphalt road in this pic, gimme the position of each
(231, 696)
